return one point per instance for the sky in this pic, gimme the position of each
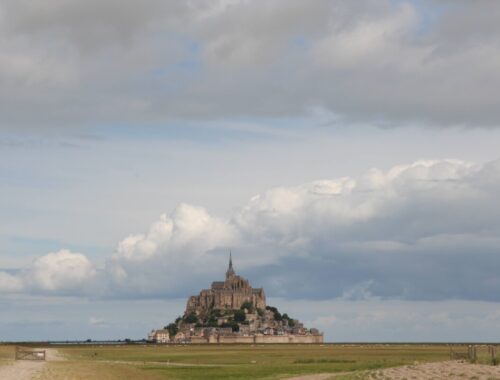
(347, 153)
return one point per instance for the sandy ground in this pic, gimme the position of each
(27, 369)
(442, 370)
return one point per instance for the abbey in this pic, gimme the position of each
(230, 294)
(231, 311)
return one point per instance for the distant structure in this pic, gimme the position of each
(231, 311)
(159, 336)
(226, 295)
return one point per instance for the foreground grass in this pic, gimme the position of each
(89, 370)
(7, 353)
(235, 361)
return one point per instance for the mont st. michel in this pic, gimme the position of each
(232, 311)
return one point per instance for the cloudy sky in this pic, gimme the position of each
(348, 153)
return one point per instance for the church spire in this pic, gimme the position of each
(230, 270)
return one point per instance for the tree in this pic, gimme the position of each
(234, 326)
(272, 308)
(240, 316)
(191, 318)
(172, 329)
(247, 305)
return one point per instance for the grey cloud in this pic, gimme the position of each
(79, 63)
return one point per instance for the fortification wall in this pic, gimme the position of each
(200, 340)
(272, 339)
(257, 339)
(306, 338)
(235, 339)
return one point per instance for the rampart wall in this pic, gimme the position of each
(258, 339)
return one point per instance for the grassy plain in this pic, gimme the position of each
(6, 354)
(191, 362)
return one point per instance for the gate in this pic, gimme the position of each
(29, 354)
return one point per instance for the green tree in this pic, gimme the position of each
(247, 305)
(191, 318)
(234, 326)
(172, 329)
(240, 316)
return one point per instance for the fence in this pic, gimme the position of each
(29, 354)
(487, 354)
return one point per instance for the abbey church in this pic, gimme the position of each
(226, 295)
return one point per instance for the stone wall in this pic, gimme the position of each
(258, 339)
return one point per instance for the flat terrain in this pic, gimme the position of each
(23, 369)
(302, 362)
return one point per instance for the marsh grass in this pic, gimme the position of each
(197, 362)
(7, 354)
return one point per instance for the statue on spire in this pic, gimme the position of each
(230, 270)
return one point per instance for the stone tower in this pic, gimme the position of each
(230, 270)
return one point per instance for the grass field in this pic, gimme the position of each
(194, 362)
(239, 361)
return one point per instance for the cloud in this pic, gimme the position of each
(183, 240)
(10, 283)
(78, 63)
(95, 321)
(61, 272)
(421, 231)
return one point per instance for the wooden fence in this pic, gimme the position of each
(29, 354)
(471, 354)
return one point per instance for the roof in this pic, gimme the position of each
(217, 284)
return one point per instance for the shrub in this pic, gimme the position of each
(191, 318)
(240, 316)
(172, 329)
(247, 305)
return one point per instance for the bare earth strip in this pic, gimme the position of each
(21, 370)
(441, 370)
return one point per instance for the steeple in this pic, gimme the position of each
(230, 270)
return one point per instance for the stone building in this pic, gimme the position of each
(159, 336)
(231, 311)
(230, 294)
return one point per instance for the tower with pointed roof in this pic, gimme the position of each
(230, 270)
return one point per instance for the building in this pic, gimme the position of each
(230, 294)
(159, 336)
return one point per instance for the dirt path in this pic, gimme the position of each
(21, 370)
(436, 371)
(27, 369)
(442, 370)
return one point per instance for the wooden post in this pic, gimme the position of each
(492, 350)
(472, 353)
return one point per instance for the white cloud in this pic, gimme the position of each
(96, 321)
(62, 271)
(190, 228)
(181, 240)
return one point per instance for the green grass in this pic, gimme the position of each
(191, 362)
